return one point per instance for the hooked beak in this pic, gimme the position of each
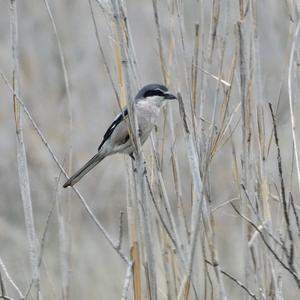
(169, 96)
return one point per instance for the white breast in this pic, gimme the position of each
(147, 115)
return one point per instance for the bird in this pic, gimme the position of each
(148, 103)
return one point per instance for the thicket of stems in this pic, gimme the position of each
(173, 242)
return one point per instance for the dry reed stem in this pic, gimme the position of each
(140, 193)
(127, 280)
(199, 204)
(65, 236)
(291, 104)
(107, 69)
(136, 270)
(21, 157)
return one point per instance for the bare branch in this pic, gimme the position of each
(282, 186)
(238, 282)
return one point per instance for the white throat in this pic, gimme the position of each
(156, 100)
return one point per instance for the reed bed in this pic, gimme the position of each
(209, 208)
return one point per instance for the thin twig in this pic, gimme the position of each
(226, 83)
(9, 278)
(283, 196)
(286, 267)
(238, 282)
(43, 239)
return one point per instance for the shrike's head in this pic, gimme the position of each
(154, 93)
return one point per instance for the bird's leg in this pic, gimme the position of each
(133, 159)
(145, 169)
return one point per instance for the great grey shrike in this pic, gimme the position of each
(148, 103)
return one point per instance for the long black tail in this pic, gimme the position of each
(84, 170)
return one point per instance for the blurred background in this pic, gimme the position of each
(96, 272)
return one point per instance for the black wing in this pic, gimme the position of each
(119, 118)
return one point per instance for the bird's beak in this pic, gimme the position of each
(169, 96)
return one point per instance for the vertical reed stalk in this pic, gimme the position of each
(24, 182)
